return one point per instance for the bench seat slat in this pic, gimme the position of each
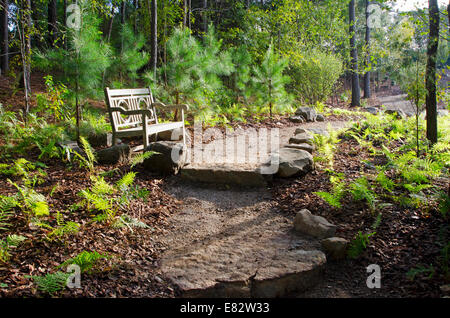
(151, 129)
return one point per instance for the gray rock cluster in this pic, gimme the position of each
(306, 114)
(316, 226)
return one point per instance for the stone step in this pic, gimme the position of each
(244, 267)
(246, 176)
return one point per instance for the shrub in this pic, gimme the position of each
(314, 75)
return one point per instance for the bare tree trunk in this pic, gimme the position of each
(52, 20)
(154, 37)
(65, 22)
(4, 40)
(185, 13)
(433, 43)
(122, 13)
(356, 94)
(367, 74)
(205, 16)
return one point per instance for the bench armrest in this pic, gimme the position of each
(132, 112)
(171, 107)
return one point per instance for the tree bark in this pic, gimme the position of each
(65, 21)
(52, 23)
(356, 94)
(205, 16)
(4, 40)
(122, 13)
(154, 37)
(185, 13)
(367, 74)
(431, 99)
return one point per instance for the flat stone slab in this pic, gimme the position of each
(225, 174)
(236, 244)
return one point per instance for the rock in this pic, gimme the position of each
(307, 147)
(308, 113)
(170, 158)
(372, 110)
(101, 140)
(301, 139)
(445, 289)
(115, 154)
(320, 117)
(335, 247)
(313, 225)
(442, 112)
(232, 175)
(171, 135)
(300, 131)
(292, 162)
(400, 113)
(297, 119)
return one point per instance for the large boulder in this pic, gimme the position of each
(101, 140)
(297, 119)
(169, 159)
(308, 113)
(292, 162)
(307, 223)
(372, 110)
(400, 114)
(113, 155)
(335, 247)
(304, 146)
(320, 117)
(301, 139)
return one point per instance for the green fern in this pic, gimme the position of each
(86, 260)
(51, 283)
(360, 190)
(141, 157)
(359, 244)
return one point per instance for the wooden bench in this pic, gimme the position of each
(132, 112)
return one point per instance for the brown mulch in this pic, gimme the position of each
(406, 238)
(132, 269)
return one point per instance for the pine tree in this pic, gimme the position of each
(242, 74)
(129, 58)
(269, 80)
(80, 66)
(183, 63)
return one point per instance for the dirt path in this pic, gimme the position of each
(234, 242)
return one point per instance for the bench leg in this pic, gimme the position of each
(114, 139)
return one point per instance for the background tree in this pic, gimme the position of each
(4, 37)
(52, 23)
(154, 37)
(269, 80)
(356, 94)
(432, 49)
(81, 66)
(368, 57)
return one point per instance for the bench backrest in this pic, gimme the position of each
(129, 99)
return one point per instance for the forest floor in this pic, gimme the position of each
(405, 238)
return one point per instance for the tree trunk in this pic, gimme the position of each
(433, 43)
(185, 13)
(356, 94)
(205, 16)
(4, 41)
(154, 37)
(65, 22)
(367, 74)
(122, 13)
(52, 23)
